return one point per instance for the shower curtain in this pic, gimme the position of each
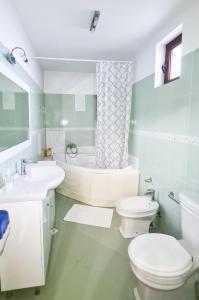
(114, 93)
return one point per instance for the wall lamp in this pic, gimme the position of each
(95, 20)
(12, 60)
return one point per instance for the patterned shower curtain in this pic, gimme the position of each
(114, 93)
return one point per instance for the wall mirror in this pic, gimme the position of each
(14, 114)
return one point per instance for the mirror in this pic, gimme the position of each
(14, 114)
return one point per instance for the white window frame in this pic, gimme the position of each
(12, 151)
(160, 55)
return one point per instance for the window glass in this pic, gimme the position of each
(175, 62)
(172, 66)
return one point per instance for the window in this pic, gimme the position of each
(172, 66)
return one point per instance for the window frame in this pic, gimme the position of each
(167, 66)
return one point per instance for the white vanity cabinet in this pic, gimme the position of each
(25, 257)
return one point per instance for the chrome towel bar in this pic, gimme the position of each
(171, 195)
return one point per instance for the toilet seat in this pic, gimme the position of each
(159, 261)
(139, 206)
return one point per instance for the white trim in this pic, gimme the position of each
(71, 129)
(7, 154)
(160, 55)
(79, 59)
(172, 138)
(13, 128)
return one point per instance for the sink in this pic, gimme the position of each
(35, 185)
(50, 176)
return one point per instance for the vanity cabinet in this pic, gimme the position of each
(25, 258)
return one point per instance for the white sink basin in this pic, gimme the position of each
(51, 176)
(35, 185)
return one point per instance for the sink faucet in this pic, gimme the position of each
(2, 182)
(23, 165)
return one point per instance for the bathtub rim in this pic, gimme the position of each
(128, 169)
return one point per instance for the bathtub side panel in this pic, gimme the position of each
(106, 189)
(93, 187)
(76, 184)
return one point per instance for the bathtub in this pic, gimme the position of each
(96, 187)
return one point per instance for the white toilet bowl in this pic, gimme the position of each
(137, 214)
(161, 265)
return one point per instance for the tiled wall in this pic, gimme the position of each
(37, 116)
(80, 128)
(165, 137)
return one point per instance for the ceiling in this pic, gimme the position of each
(61, 28)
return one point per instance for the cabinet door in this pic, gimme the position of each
(21, 262)
(46, 232)
(51, 209)
(48, 223)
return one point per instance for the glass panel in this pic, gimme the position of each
(176, 62)
(14, 114)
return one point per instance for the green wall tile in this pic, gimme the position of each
(172, 115)
(144, 104)
(192, 181)
(174, 109)
(60, 107)
(194, 115)
(195, 72)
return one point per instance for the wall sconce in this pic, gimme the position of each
(12, 60)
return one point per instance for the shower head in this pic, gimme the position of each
(11, 58)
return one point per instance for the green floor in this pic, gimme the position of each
(86, 263)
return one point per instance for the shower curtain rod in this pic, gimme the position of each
(78, 60)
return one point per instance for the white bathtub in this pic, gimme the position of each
(97, 187)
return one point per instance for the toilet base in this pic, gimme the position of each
(131, 227)
(144, 292)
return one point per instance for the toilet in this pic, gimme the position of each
(137, 214)
(163, 264)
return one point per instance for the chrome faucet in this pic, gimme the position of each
(151, 193)
(2, 181)
(23, 165)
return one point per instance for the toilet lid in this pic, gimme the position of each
(159, 254)
(137, 204)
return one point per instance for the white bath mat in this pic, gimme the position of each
(88, 215)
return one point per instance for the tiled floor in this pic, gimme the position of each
(86, 263)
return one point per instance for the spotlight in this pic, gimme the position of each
(95, 20)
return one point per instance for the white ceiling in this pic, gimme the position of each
(61, 28)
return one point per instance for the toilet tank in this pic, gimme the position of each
(189, 203)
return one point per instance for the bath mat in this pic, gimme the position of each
(88, 215)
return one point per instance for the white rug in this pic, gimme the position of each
(88, 215)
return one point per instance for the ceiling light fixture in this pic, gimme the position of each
(95, 20)
(12, 60)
